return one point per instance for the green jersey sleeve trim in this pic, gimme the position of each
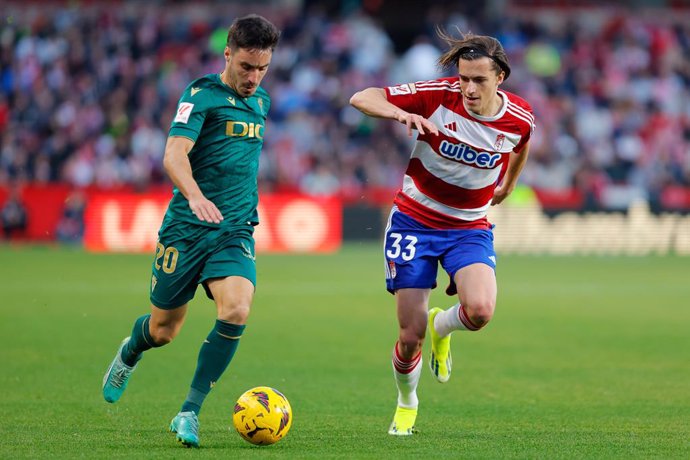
(183, 131)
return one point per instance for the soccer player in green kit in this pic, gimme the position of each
(212, 157)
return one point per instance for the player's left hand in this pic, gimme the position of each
(500, 194)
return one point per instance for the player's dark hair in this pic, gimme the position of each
(471, 47)
(253, 32)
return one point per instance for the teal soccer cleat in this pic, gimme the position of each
(116, 377)
(186, 425)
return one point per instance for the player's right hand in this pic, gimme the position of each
(205, 210)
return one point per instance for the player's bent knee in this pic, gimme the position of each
(480, 312)
(235, 314)
(163, 335)
(481, 320)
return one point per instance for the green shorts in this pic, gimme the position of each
(187, 255)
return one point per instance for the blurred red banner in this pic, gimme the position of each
(128, 222)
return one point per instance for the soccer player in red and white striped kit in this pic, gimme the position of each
(472, 143)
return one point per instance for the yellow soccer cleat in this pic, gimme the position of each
(440, 361)
(403, 422)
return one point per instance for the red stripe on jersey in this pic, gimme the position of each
(443, 192)
(435, 219)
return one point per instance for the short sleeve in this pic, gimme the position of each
(191, 112)
(406, 97)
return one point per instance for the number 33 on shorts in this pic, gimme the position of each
(406, 264)
(402, 246)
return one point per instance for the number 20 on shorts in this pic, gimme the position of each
(168, 257)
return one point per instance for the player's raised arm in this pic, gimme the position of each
(177, 165)
(373, 102)
(515, 164)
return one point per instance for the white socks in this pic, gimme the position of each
(406, 375)
(453, 319)
(448, 321)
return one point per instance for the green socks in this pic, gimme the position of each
(215, 355)
(139, 342)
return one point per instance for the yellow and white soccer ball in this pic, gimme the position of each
(262, 415)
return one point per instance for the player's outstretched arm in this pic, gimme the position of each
(373, 102)
(515, 164)
(179, 169)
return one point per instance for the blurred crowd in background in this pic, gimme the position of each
(88, 91)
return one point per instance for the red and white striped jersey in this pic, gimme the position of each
(450, 179)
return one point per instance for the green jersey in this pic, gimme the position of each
(228, 132)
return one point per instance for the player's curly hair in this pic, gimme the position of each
(253, 32)
(470, 47)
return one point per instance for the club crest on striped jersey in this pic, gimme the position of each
(498, 143)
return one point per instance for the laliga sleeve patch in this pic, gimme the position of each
(183, 112)
(400, 90)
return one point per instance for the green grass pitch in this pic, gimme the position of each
(587, 357)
